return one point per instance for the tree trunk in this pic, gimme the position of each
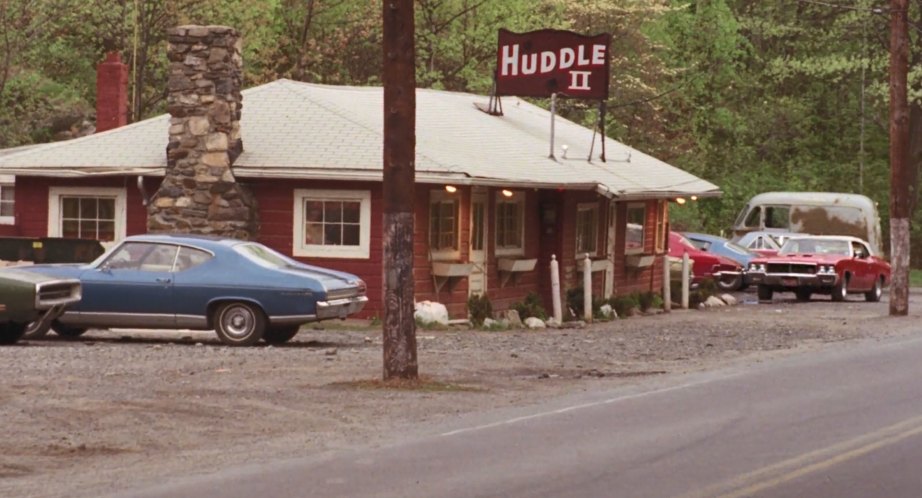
(900, 199)
(399, 176)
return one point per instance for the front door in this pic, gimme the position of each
(477, 281)
(610, 251)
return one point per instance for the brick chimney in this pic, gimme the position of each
(111, 93)
(199, 193)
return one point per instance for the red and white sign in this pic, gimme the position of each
(539, 63)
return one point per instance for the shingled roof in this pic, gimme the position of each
(305, 131)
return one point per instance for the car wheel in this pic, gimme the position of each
(280, 335)
(239, 324)
(803, 294)
(67, 332)
(34, 330)
(840, 290)
(873, 295)
(11, 332)
(730, 283)
(765, 293)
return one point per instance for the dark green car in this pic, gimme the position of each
(32, 298)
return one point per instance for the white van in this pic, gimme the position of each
(816, 213)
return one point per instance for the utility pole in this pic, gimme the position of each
(399, 182)
(900, 175)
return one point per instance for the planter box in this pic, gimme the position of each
(516, 265)
(447, 269)
(639, 260)
(597, 265)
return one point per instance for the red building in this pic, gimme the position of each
(492, 207)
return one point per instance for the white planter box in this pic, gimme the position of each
(639, 260)
(516, 265)
(447, 269)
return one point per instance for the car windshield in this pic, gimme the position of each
(263, 255)
(816, 246)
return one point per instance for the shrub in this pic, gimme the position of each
(645, 300)
(531, 306)
(622, 304)
(479, 308)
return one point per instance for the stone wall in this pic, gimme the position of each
(199, 193)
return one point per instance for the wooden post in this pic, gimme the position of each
(900, 175)
(399, 177)
(685, 280)
(587, 288)
(555, 289)
(667, 284)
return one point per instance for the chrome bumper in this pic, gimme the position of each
(340, 308)
(793, 279)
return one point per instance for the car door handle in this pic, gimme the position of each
(164, 280)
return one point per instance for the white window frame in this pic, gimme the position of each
(518, 197)
(361, 251)
(587, 206)
(445, 254)
(8, 181)
(54, 207)
(643, 232)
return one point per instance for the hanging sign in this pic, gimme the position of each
(539, 63)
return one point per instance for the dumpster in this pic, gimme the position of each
(49, 249)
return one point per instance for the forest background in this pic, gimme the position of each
(751, 95)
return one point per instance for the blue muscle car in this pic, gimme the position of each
(244, 290)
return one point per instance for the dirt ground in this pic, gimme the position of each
(119, 409)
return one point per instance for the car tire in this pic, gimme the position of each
(840, 290)
(67, 332)
(730, 284)
(873, 295)
(765, 293)
(239, 324)
(11, 332)
(34, 331)
(280, 335)
(803, 295)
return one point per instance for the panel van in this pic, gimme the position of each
(816, 213)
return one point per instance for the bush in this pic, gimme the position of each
(645, 300)
(622, 304)
(531, 306)
(479, 308)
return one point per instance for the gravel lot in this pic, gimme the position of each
(121, 408)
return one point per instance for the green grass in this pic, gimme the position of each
(915, 278)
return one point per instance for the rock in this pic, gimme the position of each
(512, 316)
(553, 323)
(713, 302)
(331, 352)
(489, 323)
(729, 299)
(607, 311)
(534, 323)
(431, 312)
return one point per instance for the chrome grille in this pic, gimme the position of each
(792, 268)
(53, 293)
(343, 293)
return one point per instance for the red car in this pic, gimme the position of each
(834, 265)
(727, 274)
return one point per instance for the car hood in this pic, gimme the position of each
(24, 274)
(65, 270)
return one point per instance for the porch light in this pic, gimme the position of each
(507, 193)
(694, 197)
(451, 189)
(680, 200)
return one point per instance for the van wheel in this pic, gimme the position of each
(765, 293)
(873, 295)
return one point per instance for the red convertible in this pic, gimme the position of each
(835, 265)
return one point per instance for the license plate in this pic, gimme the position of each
(789, 282)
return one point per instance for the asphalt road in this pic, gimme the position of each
(846, 422)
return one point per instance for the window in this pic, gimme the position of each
(662, 215)
(87, 213)
(777, 217)
(143, 256)
(443, 225)
(190, 258)
(332, 223)
(587, 229)
(634, 235)
(510, 220)
(7, 196)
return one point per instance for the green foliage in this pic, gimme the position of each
(479, 308)
(530, 307)
(623, 304)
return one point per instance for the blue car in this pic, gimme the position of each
(723, 247)
(243, 290)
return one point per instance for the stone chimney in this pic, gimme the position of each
(199, 193)
(111, 93)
